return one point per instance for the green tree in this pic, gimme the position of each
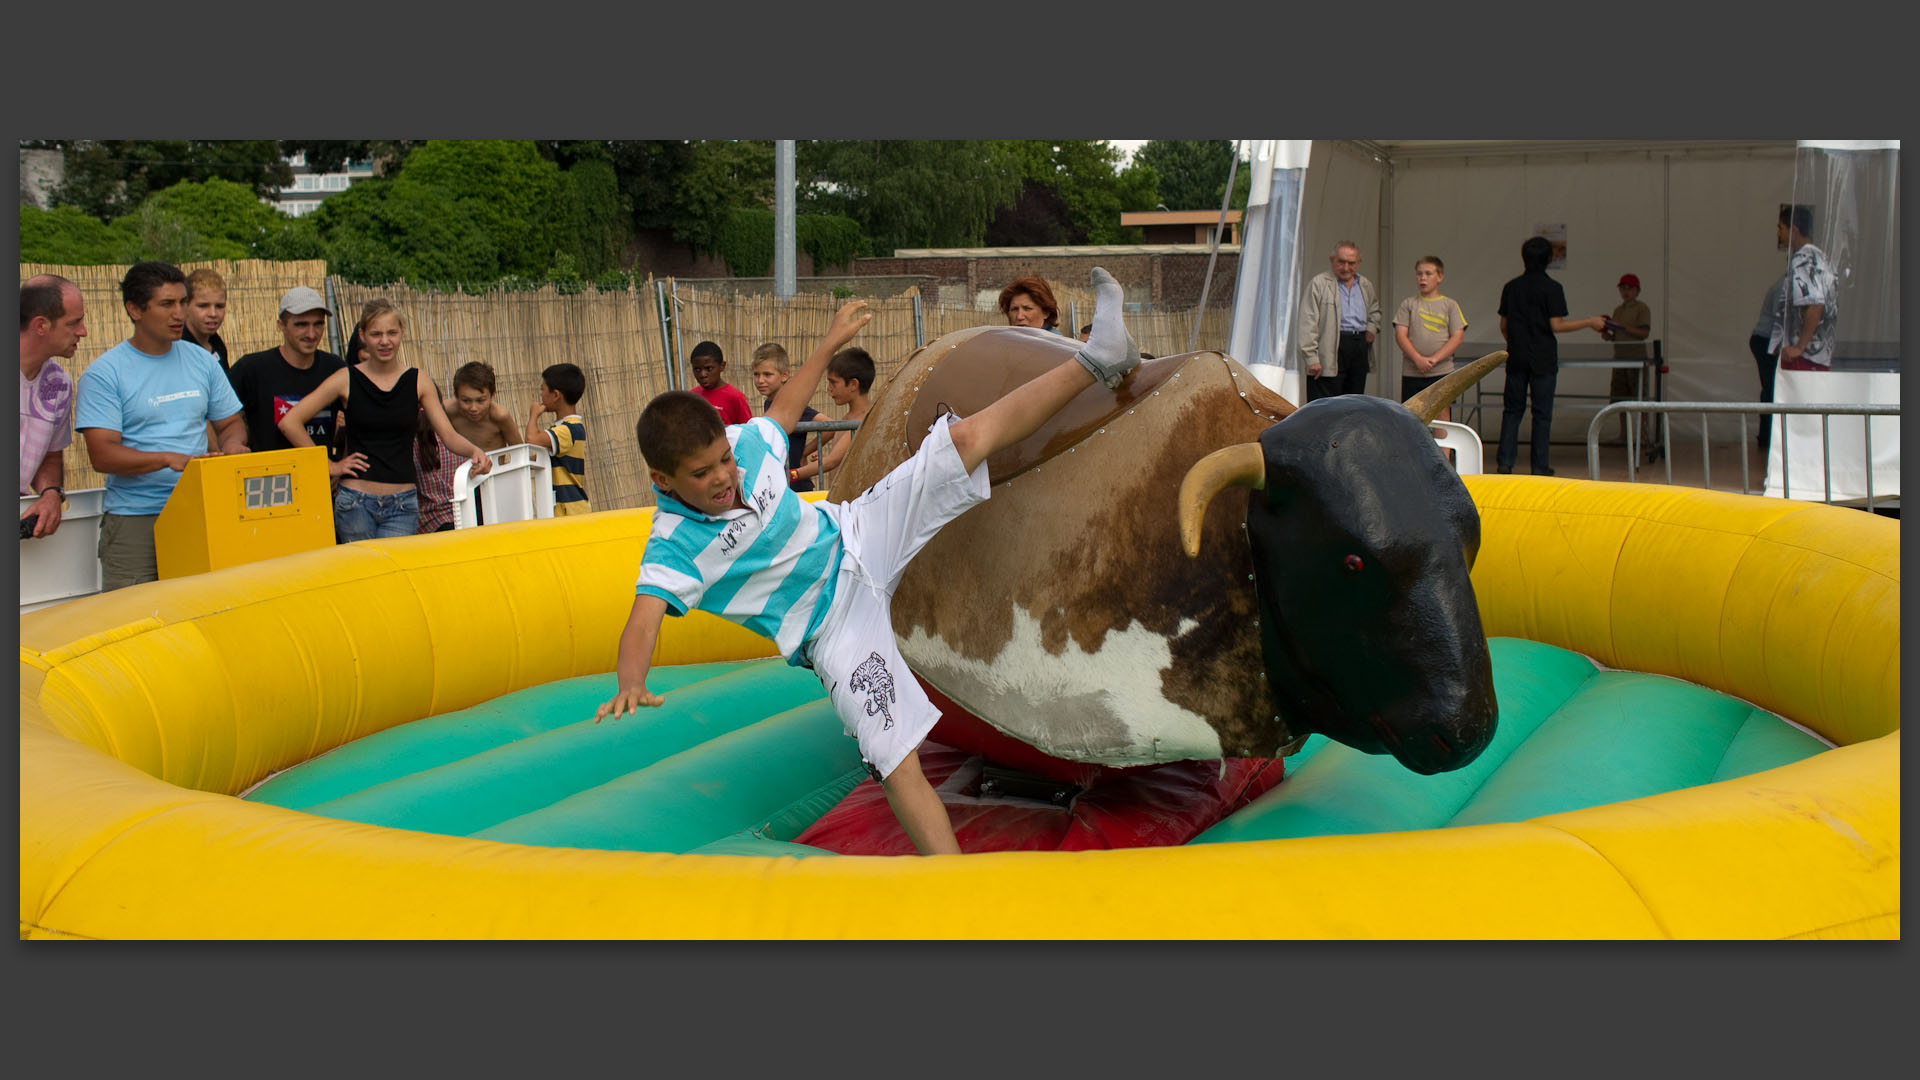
(911, 192)
(111, 178)
(719, 178)
(746, 241)
(67, 236)
(154, 232)
(505, 188)
(379, 231)
(595, 219)
(1193, 172)
(234, 223)
(830, 239)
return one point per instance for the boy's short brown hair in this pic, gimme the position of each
(474, 375)
(205, 278)
(772, 351)
(1430, 260)
(853, 365)
(675, 426)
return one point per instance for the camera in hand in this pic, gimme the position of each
(27, 525)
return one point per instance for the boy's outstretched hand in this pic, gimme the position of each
(848, 321)
(627, 701)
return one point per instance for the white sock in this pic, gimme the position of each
(1109, 352)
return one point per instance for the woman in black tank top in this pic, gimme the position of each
(383, 400)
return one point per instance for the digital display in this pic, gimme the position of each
(264, 492)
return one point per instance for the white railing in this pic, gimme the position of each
(1743, 409)
(66, 564)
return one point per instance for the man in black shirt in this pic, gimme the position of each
(1533, 308)
(270, 382)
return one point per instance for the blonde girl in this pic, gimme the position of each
(382, 399)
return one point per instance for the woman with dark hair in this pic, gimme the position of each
(1028, 301)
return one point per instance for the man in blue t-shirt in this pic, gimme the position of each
(143, 408)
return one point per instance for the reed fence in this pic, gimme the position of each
(618, 338)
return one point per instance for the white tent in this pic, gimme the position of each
(1693, 220)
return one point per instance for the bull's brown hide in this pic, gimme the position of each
(1081, 536)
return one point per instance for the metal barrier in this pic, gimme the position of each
(1743, 409)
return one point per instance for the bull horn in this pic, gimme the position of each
(1243, 465)
(1434, 400)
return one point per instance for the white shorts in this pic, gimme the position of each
(854, 654)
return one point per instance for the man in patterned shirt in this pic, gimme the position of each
(1803, 334)
(730, 537)
(53, 319)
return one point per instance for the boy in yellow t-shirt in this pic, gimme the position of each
(1429, 328)
(561, 388)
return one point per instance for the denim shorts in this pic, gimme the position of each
(358, 515)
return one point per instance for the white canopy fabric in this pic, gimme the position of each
(1694, 221)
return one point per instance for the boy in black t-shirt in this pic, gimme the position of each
(1533, 308)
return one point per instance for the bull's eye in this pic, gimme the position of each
(1354, 564)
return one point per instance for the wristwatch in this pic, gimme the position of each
(58, 488)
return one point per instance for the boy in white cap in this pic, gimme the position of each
(271, 382)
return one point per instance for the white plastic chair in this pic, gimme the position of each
(1463, 441)
(520, 488)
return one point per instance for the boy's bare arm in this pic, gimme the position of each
(636, 658)
(1597, 324)
(535, 433)
(509, 430)
(1405, 342)
(791, 399)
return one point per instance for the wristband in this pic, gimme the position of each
(793, 475)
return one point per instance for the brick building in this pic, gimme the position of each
(1165, 277)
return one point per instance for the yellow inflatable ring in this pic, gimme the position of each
(144, 712)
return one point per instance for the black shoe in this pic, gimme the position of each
(1505, 468)
(1543, 472)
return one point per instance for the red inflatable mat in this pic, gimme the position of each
(1149, 806)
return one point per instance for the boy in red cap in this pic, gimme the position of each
(1632, 320)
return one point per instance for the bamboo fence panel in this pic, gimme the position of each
(615, 337)
(254, 288)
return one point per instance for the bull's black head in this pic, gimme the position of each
(1362, 538)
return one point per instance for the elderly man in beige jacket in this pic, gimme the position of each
(1340, 318)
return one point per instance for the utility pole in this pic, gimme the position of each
(783, 230)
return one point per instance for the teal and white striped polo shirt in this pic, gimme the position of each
(769, 566)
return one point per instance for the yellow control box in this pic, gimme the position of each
(242, 508)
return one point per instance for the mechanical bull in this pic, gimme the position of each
(1322, 587)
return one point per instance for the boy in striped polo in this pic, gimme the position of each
(561, 388)
(730, 537)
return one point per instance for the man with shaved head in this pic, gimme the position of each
(53, 319)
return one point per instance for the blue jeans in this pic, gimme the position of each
(360, 516)
(1524, 382)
